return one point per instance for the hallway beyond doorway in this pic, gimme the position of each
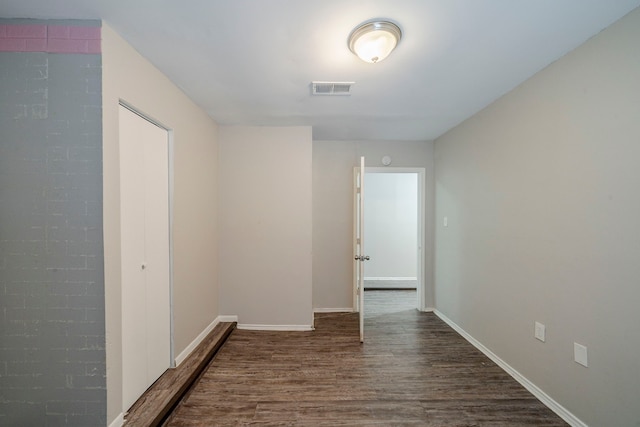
(380, 302)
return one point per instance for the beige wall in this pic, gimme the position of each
(542, 193)
(265, 226)
(333, 163)
(128, 76)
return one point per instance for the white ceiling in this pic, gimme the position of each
(251, 62)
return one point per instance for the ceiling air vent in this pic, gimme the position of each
(331, 88)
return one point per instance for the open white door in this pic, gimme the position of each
(359, 258)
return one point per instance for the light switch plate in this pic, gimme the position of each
(539, 331)
(446, 221)
(580, 354)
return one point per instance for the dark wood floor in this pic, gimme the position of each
(412, 370)
(159, 399)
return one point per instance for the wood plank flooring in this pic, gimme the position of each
(412, 370)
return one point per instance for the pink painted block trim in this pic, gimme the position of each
(52, 39)
(36, 45)
(27, 31)
(13, 45)
(84, 33)
(95, 46)
(58, 32)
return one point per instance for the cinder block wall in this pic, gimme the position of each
(52, 339)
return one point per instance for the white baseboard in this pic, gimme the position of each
(333, 310)
(390, 285)
(390, 278)
(118, 421)
(275, 327)
(187, 351)
(560, 410)
(429, 310)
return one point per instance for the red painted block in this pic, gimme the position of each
(58, 32)
(12, 45)
(68, 46)
(36, 45)
(27, 31)
(84, 33)
(3, 31)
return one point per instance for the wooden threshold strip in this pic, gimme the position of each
(158, 401)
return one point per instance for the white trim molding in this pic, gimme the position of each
(391, 278)
(250, 327)
(187, 351)
(119, 421)
(560, 410)
(423, 229)
(334, 310)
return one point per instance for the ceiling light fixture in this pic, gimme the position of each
(374, 40)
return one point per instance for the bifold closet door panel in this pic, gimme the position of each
(156, 183)
(145, 253)
(134, 335)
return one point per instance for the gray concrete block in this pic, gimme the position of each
(88, 329)
(23, 414)
(51, 238)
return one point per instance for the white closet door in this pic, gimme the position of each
(144, 222)
(156, 184)
(134, 341)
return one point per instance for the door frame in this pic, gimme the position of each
(357, 250)
(421, 172)
(170, 184)
(358, 244)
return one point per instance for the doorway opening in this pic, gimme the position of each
(394, 232)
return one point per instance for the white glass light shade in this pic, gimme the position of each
(374, 41)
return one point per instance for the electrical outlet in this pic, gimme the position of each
(539, 331)
(580, 354)
(446, 221)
